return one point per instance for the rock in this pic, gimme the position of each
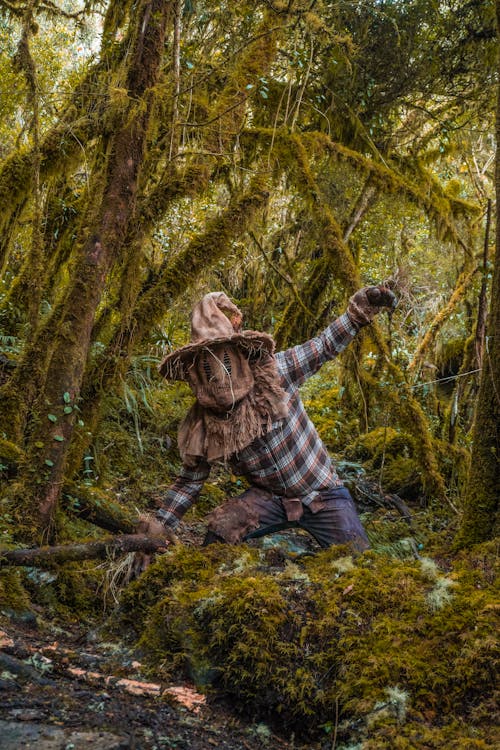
(16, 736)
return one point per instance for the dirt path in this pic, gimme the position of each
(70, 691)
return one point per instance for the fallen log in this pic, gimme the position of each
(118, 545)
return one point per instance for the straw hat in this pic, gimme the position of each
(210, 326)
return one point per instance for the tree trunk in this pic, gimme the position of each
(480, 518)
(54, 414)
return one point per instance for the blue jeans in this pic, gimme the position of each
(331, 519)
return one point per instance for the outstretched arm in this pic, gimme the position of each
(181, 495)
(300, 362)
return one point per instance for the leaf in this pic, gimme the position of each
(66, 397)
(49, 462)
(52, 417)
(68, 409)
(59, 438)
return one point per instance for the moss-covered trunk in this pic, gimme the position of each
(480, 518)
(54, 423)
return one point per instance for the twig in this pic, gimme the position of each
(280, 273)
(335, 729)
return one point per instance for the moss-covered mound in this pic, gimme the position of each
(385, 653)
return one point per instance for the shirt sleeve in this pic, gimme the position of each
(183, 493)
(301, 361)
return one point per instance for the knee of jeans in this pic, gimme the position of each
(233, 520)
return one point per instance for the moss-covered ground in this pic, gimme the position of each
(383, 652)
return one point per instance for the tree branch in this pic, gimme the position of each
(120, 545)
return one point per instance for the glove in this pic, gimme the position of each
(367, 302)
(150, 526)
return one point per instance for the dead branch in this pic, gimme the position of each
(119, 545)
(364, 202)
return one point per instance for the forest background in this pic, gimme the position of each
(286, 153)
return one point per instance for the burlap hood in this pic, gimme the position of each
(234, 377)
(209, 327)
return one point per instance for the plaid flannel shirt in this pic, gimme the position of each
(290, 460)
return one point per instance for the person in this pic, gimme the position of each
(248, 414)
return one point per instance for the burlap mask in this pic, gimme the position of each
(220, 377)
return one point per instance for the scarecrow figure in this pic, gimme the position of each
(248, 414)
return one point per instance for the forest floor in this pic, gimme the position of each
(71, 685)
(68, 685)
(66, 689)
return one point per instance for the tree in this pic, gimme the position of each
(482, 495)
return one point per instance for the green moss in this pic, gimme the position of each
(13, 595)
(324, 407)
(210, 498)
(402, 476)
(382, 440)
(398, 645)
(190, 564)
(73, 591)
(10, 453)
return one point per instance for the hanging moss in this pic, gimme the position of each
(427, 193)
(462, 286)
(60, 148)
(333, 257)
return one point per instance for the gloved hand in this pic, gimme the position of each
(367, 302)
(151, 526)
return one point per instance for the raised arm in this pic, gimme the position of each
(300, 362)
